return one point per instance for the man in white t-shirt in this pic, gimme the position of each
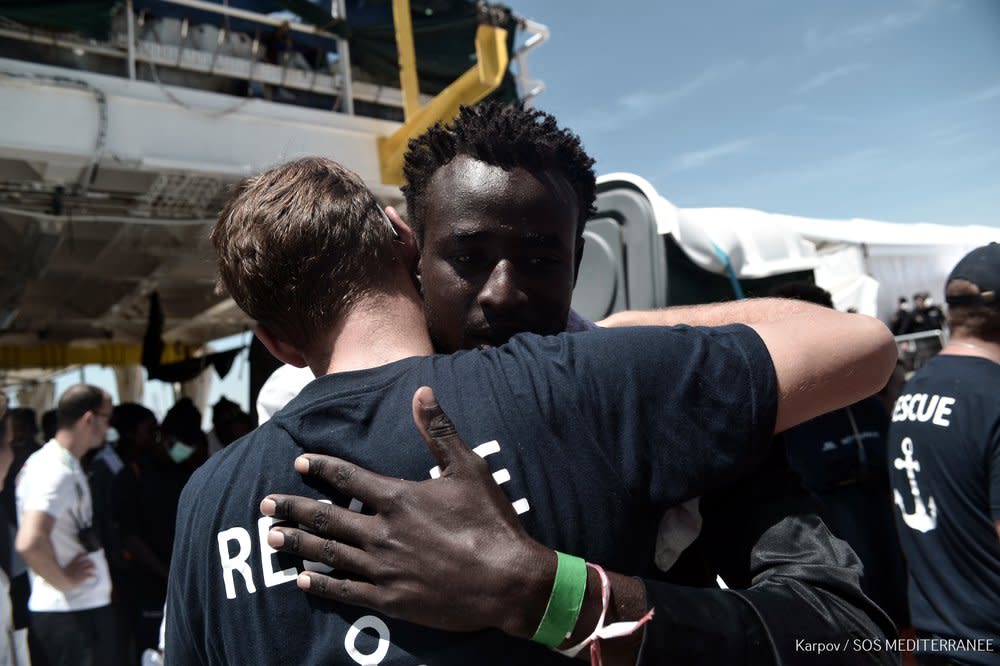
(70, 586)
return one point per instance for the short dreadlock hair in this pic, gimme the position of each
(503, 135)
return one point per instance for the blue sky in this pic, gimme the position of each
(885, 110)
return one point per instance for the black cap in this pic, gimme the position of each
(981, 267)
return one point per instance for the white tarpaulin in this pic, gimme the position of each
(865, 264)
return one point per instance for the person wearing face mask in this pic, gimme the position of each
(141, 449)
(160, 460)
(184, 439)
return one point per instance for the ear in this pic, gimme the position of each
(281, 350)
(406, 244)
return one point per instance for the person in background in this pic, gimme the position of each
(279, 389)
(840, 457)
(24, 442)
(900, 316)
(925, 318)
(140, 517)
(183, 438)
(24, 423)
(50, 423)
(70, 601)
(160, 463)
(926, 315)
(108, 475)
(944, 466)
(229, 423)
(13, 641)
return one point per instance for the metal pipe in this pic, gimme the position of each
(408, 81)
(130, 24)
(67, 44)
(919, 335)
(540, 35)
(529, 88)
(344, 58)
(248, 15)
(46, 217)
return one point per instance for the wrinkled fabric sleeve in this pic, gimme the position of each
(793, 585)
(773, 549)
(702, 626)
(793, 605)
(682, 410)
(806, 591)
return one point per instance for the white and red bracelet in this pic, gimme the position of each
(613, 630)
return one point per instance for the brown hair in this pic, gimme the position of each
(300, 244)
(978, 321)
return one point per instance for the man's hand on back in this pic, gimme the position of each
(449, 553)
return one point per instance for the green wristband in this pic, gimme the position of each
(565, 601)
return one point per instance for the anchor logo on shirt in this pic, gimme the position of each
(924, 517)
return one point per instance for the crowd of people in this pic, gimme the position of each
(617, 471)
(104, 480)
(923, 324)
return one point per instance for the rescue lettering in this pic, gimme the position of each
(238, 562)
(922, 408)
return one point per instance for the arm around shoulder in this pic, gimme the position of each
(825, 360)
(748, 311)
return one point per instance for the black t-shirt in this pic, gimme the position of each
(944, 465)
(831, 450)
(923, 319)
(599, 433)
(841, 458)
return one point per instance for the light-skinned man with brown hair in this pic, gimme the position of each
(568, 424)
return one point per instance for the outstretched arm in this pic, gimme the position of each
(824, 359)
(747, 311)
(448, 553)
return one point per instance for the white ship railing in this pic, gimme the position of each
(527, 87)
(218, 51)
